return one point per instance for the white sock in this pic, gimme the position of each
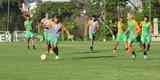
(133, 56)
(57, 57)
(145, 57)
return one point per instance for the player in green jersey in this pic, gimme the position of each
(28, 32)
(121, 37)
(132, 34)
(145, 35)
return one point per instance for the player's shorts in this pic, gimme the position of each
(28, 34)
(45, 35)
(92, 35)
(146, 39)
(52, 40)
(121, 37)
(131, 38)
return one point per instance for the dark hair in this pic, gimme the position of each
(94, 18)
(58, 17)
(120, 18)
(147, 18)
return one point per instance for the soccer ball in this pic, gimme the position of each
(43, 57)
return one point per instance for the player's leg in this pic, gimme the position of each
(55, 47)
(48, 43)
(33, 40)
(148, 42)
(91, 37)
(33, 43)
(28, 42)
(125, 42)
(116, 44)
(139, 40)
(147, 46)
(49, 47)
(126, 45)
(130, 46)
(115, 48)
(144, 41)
(130, 50)
(28, 39)
(56, 51)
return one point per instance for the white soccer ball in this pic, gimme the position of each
(43, 57)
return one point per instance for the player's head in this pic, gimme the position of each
(131, 17)
(120, 19)
(94, 18)
(28, 17)
(146, 18)
(56, 19)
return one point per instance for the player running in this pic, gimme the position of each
(28, 32)
(45, 22)
(93, 27)
(146, 35)
(132, 34)
(121, 37)
(54, 33)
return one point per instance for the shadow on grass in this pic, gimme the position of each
(95, 51)
(93, 57)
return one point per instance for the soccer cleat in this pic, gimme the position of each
(91, 48)
(145, 57)
(28, 47)
(133, 57)
(34, 47)
(50, 51)
(114, 52)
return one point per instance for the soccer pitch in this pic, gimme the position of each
(77, 63)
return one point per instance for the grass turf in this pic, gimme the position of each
(77, 63)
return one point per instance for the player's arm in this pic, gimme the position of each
(25, 25)
(88, 24)
(50, 24)
(127, 29)
(97, 26)
(138, 29)
(63, 29)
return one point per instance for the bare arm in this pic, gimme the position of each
(97, 26)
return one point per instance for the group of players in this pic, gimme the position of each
(52, 28)
(51, 32)
(135, 32)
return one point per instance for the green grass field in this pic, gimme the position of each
(77, 63)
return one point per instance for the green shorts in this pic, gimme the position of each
(131, 38)
(146, 39)
(45, 35)
(52, 40)
(28, 34)
(121, 37)
(92, 35)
